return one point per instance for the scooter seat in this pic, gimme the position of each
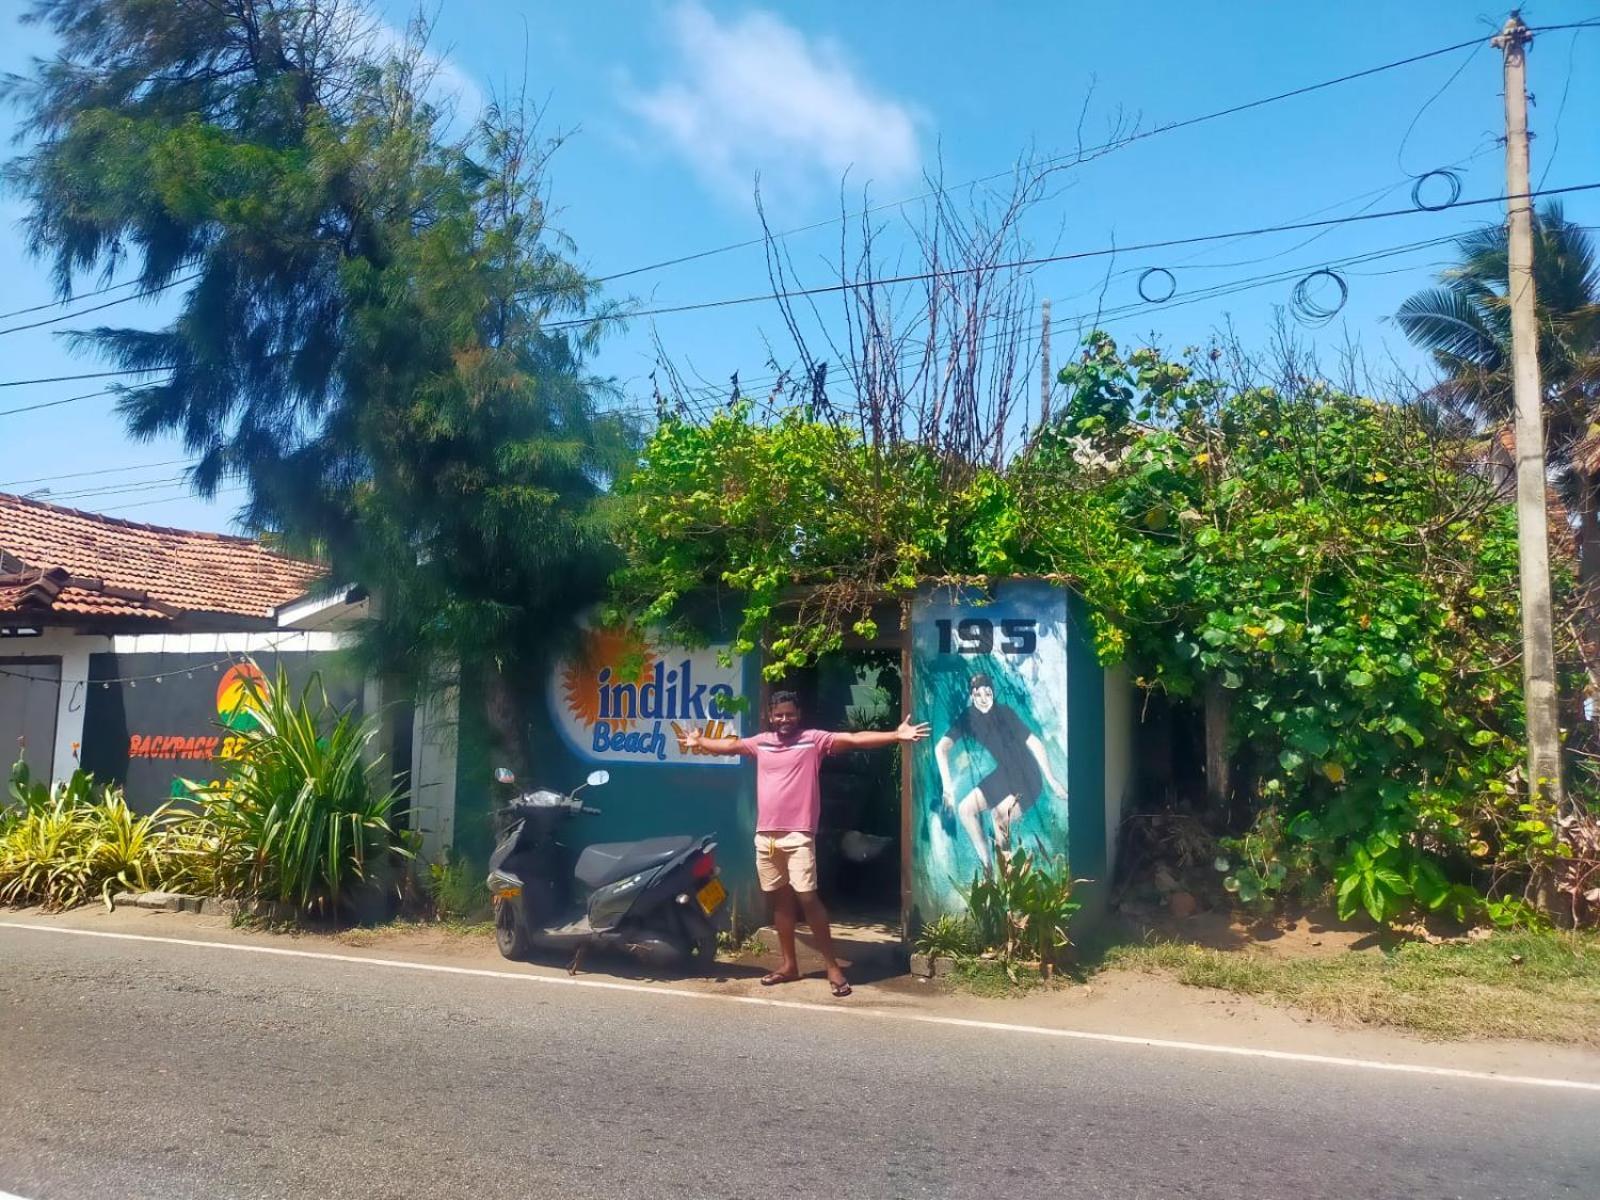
(610, 861)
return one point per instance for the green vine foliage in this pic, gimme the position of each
(1348, 579)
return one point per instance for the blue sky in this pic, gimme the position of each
(673, 107)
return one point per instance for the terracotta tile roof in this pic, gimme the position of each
(61, 560)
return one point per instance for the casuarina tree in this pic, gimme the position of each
(366, 336)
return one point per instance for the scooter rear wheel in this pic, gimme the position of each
(702, 939)
(509, 934)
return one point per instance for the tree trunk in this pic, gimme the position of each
(502, 710)
(1219, 790)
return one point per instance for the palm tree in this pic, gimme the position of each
(1465, 323)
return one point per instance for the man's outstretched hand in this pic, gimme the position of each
(910, 731)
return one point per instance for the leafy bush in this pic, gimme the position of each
(948, 936)
(1021, 908)
(458, 891)
(62, 845)
(299, 818)
(1332, 565)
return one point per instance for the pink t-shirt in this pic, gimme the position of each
(788, 798)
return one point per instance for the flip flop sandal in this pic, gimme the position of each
(777, 977)
(840, 990)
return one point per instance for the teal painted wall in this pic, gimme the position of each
(1030, 638)
(1061, 696)
(646, 796)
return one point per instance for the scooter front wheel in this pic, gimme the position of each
(509, 934)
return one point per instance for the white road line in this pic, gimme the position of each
(9, 1196)
(833, 1010)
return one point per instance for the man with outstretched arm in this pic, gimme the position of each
(788, 805)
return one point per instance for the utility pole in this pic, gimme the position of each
(1533, 530)
(1044, 364)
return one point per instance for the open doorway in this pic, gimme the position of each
(859, 852)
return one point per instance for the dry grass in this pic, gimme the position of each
(1532, 986)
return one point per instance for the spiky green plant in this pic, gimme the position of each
(300, 817)
(1020, 909)
(62, 844)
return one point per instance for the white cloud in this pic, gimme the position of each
(754, 94)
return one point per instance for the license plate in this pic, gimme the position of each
(711, 896)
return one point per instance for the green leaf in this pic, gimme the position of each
(1373, 899)
(1392, 880)
(1359, 679)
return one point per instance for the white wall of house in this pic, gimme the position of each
(434, 732)
(72, 650)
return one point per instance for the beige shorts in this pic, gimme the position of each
(786, 858)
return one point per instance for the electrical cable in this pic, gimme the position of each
(86, 375)
(98, 307)
(7, 412)
(713, 393)
(1043, 260)
(1561, 111)
(1157, 274)
(1105, 147)
(1452, 184)
(170, 462)
(107, 290)
(232, 658)
(1310, 311)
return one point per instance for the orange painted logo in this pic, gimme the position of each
(606, 658)
(237, 693)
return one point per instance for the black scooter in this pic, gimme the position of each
(656, 899)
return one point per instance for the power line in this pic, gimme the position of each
(169, 499)
(1569, 25)
(1104, 147)
(119, 489)
(711, 392)
(170, 462)
(6, 412)
(1045, 260)
(232, 658)
(86, 375)
(107, 290)
(98, 307)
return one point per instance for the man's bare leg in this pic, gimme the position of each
(970, 810)
(821, 935)
(785, 913)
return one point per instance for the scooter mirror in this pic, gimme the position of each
(598, 778)
(504, 775)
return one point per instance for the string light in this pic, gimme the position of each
(232, 658)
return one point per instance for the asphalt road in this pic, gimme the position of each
(132, 1069)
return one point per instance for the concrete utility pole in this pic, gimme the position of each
(1044, 364)
(1533, 530)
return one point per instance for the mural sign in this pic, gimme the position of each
(990, 675)
(151, 721)
(620, 697)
